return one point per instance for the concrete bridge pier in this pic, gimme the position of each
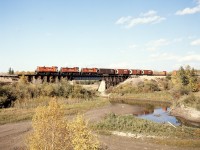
(33, 80)
(102, 86)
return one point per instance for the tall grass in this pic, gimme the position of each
(140, 126)
(24, 110)
(189, 101)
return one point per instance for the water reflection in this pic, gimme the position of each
(160, 115)
(151, 112)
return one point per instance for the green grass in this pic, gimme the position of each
(10, 115)
(84, 106)
(189, 101)
(155, 97)
(25, 111)
(140, 126)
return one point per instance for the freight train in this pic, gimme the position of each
(94, 71)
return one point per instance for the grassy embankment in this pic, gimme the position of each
(26, 112)
(162, 133)
(147, 91)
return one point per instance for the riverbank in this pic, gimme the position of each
(187, 113)
(187, 108)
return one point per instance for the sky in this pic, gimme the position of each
(133, 34)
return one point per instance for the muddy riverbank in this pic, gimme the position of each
(188, 114)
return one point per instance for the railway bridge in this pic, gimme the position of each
(110, 80)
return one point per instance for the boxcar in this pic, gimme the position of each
(147, 72)
(121, 71)
(135, 72)
(106, 71)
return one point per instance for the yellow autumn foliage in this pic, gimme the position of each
(82, 138)
(52, 131)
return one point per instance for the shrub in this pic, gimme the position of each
(82, 138)
(7, 96)
(150, 86)
(190, 101)
(53, 132)
(50, 130)
(179, 91)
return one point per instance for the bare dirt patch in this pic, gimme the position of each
(119, 109)
(12, 135)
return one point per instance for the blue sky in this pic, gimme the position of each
(153, 34)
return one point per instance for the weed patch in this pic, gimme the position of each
(135, 125)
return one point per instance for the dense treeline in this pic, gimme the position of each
(24, 91)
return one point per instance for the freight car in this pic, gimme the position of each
(135, 72)
(122, 71)
(47, 70)
(147, 72)
(103, 71)
(158, 73)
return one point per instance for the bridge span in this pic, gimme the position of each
(110, 80)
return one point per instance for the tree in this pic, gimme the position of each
(183, 76)
(186, 78)
(10, 71)
(193, 81)
(51, 131)
(82, 138)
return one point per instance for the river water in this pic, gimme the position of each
(155, 113)
(160, 115)
(151, 112)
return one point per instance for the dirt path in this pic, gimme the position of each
(12, 135)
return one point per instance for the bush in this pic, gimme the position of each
(82, 138)
(179, 91)
(53, 132)
(7, 96)
(50, 130)
(146, 86)
(150, 86)
(190, 101)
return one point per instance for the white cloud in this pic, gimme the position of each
(190, 58)
(154, 45)
(164, 56)
(123, 20)
(195, 42)
(133, 46)
(192, 10)
(149, 17)
(149, 13)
